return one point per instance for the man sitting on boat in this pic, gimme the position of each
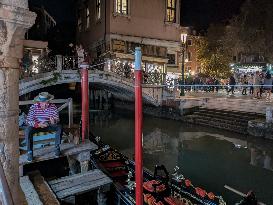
(42, 116)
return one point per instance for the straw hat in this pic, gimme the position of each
(43, 97)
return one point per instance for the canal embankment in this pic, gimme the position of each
(244, 116)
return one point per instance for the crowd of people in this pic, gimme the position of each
(256, 84)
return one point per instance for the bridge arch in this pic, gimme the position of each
(107, 80)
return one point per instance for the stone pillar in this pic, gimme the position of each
(15, 19)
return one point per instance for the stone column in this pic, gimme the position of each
(15, 19)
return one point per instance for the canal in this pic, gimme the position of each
(210, 158)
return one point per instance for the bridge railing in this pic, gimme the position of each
(45, 64)
(124, 72)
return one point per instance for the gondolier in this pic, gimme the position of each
(42, 116)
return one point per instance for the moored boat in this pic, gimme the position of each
(159, 188)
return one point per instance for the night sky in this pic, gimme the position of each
(201, 13)
(61, 10)
(196, 13)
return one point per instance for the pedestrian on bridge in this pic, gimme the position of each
(43, 116)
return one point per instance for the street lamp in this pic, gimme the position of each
(183, 46)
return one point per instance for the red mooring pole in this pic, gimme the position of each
(85, 100)
(138, 128)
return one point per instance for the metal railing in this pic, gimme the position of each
(57, 63)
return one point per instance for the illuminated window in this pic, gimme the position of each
(87, 18)
(171, 11)
(98, 9)
(79, 22)
(121, 7)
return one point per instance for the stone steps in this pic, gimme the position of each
(236, 107)
(223, 116)
(223, 120)
(235, 121)
(231, 114)
(237, 111)
(224, 126)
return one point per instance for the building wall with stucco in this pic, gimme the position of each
(114, 35)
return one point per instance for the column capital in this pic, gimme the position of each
(15, 19)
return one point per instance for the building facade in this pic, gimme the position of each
(192, 66)
(43, 24)
(111, 29)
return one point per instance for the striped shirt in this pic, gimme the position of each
(38, 115)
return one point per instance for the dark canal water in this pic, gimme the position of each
(209, 158)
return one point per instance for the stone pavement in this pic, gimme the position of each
(222, 101)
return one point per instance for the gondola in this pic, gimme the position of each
(159, 188)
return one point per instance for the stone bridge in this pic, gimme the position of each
(119, 86)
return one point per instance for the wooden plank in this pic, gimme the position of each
(45, 193)
(30, 193)
(55, 101)
(68, 184)
(85, 187)
(79, 183)
(67, 149)
(75, 176)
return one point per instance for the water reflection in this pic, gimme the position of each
(261, 154)
(209, 157)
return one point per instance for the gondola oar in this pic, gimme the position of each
(240, 193)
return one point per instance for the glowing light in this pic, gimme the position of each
(183, 37)
(35, 64)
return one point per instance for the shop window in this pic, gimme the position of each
(87, 18)
(98, 9)
(171, 11)
(122, 7)
(171, 58)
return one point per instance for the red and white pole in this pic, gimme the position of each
(138, 128)
(85, 100)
